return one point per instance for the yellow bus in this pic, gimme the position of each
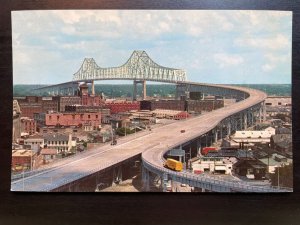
(173, 164)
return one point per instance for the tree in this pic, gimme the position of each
(285, 176)
(121, 131)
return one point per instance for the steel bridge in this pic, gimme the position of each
(139, 68)
(153, 145)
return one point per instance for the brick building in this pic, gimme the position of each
(64, 101)
(28, 125)
(35, 104)
(204, 105)
(121, 106)
(105, 112)
(23, 160)
(179, 105)
(73, 119)
(183, 105)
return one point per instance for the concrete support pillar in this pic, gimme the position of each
(221, 131)
(117, 175)
(264, 110)
(177, 92)
(164, 182)
(134, 90)
(245, 120)
(144, 90)
(228, 128)
(216, 135)
(93, 88)
(145, 179)
(260, 114)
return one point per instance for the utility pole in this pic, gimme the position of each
(125, 128)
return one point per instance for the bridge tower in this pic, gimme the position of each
(135, 83)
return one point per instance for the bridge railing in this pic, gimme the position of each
(238, 186)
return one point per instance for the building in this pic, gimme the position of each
(36, 142)
(90, 121)
(170, 114)
(121, 106)
(28, 126)
(16, 129)
(250, 168)
(64, 101)
(253, 136)
(23, 160)
(105, 112)
(213, 164)
(36, 104)
(278, 101)
(48, 155)
(169, 104)
(275, 160)
(206, 105)
(281, 142)
(61, 142)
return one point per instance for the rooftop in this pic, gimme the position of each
(22, 153)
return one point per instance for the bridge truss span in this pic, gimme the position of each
(138, 67)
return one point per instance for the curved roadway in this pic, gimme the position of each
(152, 145)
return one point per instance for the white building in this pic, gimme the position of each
(213, 165)
(253, 136)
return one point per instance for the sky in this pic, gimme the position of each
(229, 47)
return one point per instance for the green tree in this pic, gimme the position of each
(121, 131)
(285, 176)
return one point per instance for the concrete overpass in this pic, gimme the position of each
(152, 145)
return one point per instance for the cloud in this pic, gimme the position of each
(278, 42)
(227, 60)
(194, 40)
(267, 67)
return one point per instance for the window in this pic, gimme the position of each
(57, 117)
(50, 117)
(89, 116)
(96, 116)
(279, 103)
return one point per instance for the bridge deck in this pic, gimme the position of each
(162, 138)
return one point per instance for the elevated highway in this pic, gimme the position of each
(152, 145)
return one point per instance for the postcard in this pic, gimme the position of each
(152, 101)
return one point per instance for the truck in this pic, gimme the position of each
(206, 150)
(173, 164)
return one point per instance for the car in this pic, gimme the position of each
(114, 142)
(169, 187)
(183, 185)
(182, 131)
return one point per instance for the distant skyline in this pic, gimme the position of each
(229, 47)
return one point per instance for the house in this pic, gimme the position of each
(281, 142)
(251, 168)
(35, 142)
(61, 142)
(275, 160)
(48, 155)
(283, 130)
